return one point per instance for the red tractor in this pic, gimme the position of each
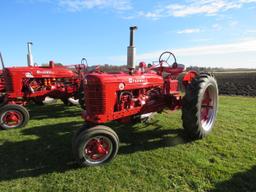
(21, 85)
(137, 94)
(126, 97)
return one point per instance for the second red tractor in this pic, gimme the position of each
(21, 85)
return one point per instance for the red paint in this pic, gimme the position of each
(206, 106)
(96, 149)
(189, 76)
(11, 118)
(21, 84)
(151, 91)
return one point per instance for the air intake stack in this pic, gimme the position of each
(131, 53)
(29, 55)
(2, 61)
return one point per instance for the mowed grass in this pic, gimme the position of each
(152, 157)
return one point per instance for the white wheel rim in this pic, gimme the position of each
(208, 108)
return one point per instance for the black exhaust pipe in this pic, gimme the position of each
(131, 51)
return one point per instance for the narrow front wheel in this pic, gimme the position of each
(13, 116)
(95, 146)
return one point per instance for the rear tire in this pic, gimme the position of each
(13, 116)
(200, 105)
(95, 146)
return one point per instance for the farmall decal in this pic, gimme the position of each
(44, 72)
(136, 80)
(29, 75)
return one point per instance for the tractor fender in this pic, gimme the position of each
(189, 76)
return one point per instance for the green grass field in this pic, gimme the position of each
(152, 157)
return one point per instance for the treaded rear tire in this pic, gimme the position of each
(196, 124)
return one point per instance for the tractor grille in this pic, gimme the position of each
(95, 99)
(8, 80)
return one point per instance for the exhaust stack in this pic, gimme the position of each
(29, 55)
(131, 50)
(2, 61)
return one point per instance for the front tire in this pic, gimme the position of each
(13, 116)
(200, 105)
(95, 146)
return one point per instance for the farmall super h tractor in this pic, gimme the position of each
(21, 85)
(138, 94)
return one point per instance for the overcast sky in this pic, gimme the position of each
(216, 33)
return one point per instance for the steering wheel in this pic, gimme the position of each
(84, 61)
(165, 56)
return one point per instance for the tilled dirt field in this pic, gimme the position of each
(237, 83)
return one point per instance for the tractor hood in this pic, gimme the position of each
(124, 81)
(40, 72)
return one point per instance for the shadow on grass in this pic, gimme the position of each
(240, 182)
(58, 111)
(50, 150)
(136, 139)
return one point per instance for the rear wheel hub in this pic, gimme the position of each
(207, 112)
